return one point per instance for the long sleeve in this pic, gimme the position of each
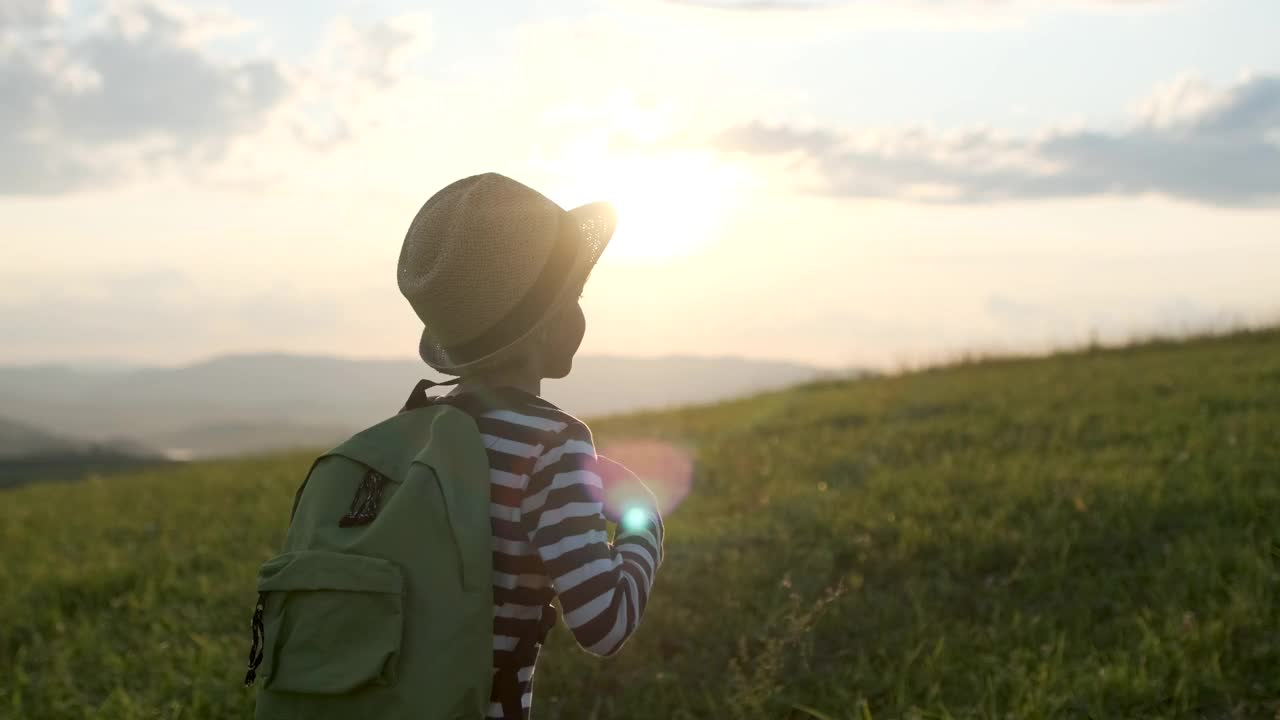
(603, 587)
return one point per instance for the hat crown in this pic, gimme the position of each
(473, 251)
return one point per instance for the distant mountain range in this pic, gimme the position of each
(248, 403)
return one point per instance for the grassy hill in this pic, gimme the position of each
(1092, 535)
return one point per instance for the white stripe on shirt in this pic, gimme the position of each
(553, 455)
(572, 510)
(573, 542)
(583, 573)
(562, 480)
(510, 447)
(532, 421)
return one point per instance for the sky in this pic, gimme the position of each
(839, 183)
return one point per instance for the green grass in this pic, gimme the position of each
(1092, 535)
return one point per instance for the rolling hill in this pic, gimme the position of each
(251, 403)
(19, 439)
(1088, 535)
(29, 454)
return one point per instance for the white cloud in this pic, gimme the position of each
(1214, 147)
(912, 15)
(797, 20)
(132, 92)
(757, 5)
(378, 54)
(915, 5)
(30, 13)
(137, 91)
(1179, 101)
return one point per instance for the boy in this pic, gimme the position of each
(495, 270)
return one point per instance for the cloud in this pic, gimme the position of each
(1190, 142)
(136, 90)
(29, 13)
(379, 53)
(354, 64)
(818, 5)
(760, 4)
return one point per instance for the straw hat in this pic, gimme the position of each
(488, 260)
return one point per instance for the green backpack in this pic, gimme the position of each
(381, 603)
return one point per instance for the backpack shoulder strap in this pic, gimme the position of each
(419, 398)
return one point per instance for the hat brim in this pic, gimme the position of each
(596, 222)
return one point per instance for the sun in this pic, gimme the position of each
(669, 204)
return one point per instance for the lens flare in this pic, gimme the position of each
(666, 469)
(635, 519)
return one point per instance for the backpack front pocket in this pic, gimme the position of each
(332, 622)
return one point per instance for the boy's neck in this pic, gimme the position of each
(520, 379)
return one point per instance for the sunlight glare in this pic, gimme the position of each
(668, 204)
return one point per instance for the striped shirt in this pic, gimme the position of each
(550, 537)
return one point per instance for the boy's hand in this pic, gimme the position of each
(623, 490)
